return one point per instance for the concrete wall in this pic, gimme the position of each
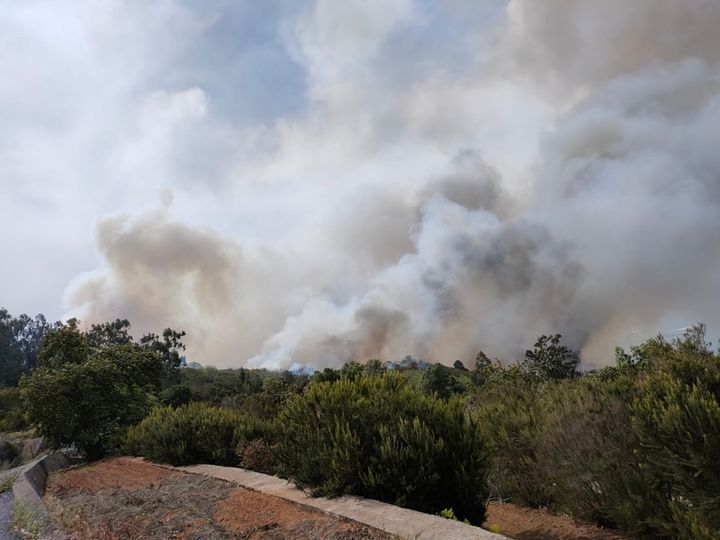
(402, 522)
(29, 488)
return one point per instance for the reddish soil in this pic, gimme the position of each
(125, 498)
(524, 523)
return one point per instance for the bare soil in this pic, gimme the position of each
(524, 523)
(124, 498)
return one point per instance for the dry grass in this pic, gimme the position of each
(122, 498)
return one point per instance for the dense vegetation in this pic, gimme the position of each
(633, 446)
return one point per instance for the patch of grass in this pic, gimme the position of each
(27, 520)
(493, 528)
(7, 482)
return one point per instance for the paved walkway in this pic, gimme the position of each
(393, 519)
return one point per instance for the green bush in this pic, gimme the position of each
(9, 455)
(678, 420)
(511, 421)
(377, 436)
(193, 433)
(89, 403)
(11, 413)
(634, 447)
(176, 395)
(590, 455)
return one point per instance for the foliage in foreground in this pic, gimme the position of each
(193, 433)
(634, 447)
(11, 412)
(91, 385)
(378, 437)
(89, 404)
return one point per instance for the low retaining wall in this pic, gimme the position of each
(29, 488)
(402, 522)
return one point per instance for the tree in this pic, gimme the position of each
(64, 345)
(326, 375)
(109, 333)
(89, 402)
(437, 379)
(10, 354)
(550, 360)
(483, 365)
(168, 346)
(375, 366)
(457, 364)
(20, 339)
(351, 371)
(177, 395)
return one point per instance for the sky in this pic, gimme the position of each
(304, 183)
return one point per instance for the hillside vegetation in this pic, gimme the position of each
(633, 446)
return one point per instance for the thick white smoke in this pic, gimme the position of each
(566, 179)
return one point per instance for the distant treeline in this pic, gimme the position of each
(20, 340)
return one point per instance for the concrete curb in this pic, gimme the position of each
(387, 517)
(29, 488)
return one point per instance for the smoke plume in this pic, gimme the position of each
(560, 175)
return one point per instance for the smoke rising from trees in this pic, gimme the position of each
(555, 170)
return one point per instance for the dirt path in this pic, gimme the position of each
(533, 524)
(120, 498)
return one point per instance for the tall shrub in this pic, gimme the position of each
(193, 433)
(678, 418)
(377, 436)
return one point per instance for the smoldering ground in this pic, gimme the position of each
(563, 178)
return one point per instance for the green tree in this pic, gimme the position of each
(457, 364)
(351, 371)
(176, 396)
(375, 366)
(64, 345)
(549, 359)
(20, 339)
(168, 346)
(326, 375)
(109, 333)
(89, 403)
(439, 380)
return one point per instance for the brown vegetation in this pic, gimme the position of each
(524, 523)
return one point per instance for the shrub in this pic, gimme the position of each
(678, 419)
(379, 437)
(438, 379)
(11, 414)
(590, 455)
(633, 446)
(257, 455)
(9, 455)
(511, 422)
(193, 433)
(176, 395)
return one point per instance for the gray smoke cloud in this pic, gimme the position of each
(566, 179)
